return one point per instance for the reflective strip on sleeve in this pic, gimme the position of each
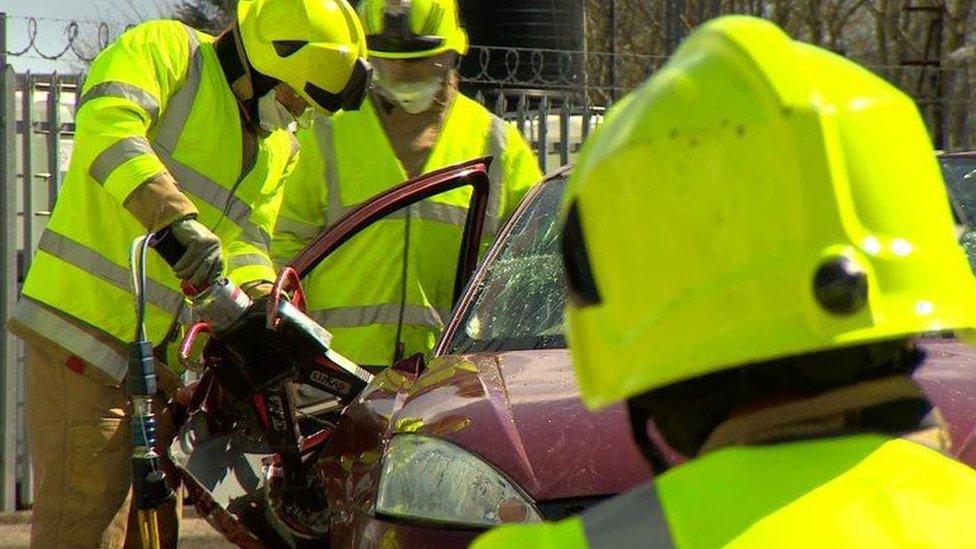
(123, 90)
(304, 232)
(497, 138)
(248, 260)
(189, 179)
(632, 519)
(256, 236)
(72, 338)
(335, 209)
(388, 313)
(206, 189)
(99, 266)
(117, 154)
(179, 106)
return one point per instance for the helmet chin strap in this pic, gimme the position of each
(245, 81)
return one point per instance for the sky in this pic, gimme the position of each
(52, 19)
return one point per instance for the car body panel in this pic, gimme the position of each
(948, 377)
(520, 411)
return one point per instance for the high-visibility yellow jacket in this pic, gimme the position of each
(155, 101)
(393, 282)
(853, 491)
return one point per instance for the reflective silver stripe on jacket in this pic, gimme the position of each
(171, 126)
(254, 235)
(440, 212)
(632, 519)
(428, 210)
(335, 210)
(94, 263)
(303, 232)
(72, 338)
(123, 90)
(497, 138)
(117, 154)
(181, 103)
(247, 260)
(388, 313)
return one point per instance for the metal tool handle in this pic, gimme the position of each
(186, 347)
(167, 246)
(288, 281)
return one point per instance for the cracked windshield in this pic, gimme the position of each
(520, 298)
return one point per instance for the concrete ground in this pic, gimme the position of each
(195, 533)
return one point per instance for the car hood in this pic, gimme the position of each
(948, 377)
(521, 412)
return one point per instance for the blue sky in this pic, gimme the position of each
(53, 17)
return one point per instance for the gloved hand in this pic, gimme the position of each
(201, 263)
(257, 289)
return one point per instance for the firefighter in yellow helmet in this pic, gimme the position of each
(751, 242)
(177, 129)
(388, 292)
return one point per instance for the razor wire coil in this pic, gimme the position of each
(76, 45)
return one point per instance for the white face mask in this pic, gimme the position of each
(272, 115)
(304, 121)
(413, 97)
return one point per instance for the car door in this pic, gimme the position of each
(473, 173)
(224, 469)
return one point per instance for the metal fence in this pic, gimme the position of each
(35, 138)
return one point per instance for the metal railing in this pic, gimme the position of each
(35, 138)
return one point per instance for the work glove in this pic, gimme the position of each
(201, 263)
(257, 289)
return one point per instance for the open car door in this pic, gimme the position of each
(227, 465)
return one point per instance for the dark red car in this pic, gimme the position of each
(492, 429)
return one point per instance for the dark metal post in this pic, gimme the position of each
(564, 113)
(8, 277)
(586, 119)
(673, 31)
(521, 115)
(27, 160)
(544, 133)
(939, 109)
(500, 104)
(613, 50)
(54, 138)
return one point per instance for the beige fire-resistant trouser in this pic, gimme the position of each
(81, 448)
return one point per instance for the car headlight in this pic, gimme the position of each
(428, 479)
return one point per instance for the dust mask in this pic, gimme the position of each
(413, 97)
(272, 115)
(304, 120)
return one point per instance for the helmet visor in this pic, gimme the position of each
(397, 37)
(351, 96)
(580, 283)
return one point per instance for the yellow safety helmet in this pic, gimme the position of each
(757, 198)
(409, 29)
(317, 47)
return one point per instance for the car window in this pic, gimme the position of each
(960, 178)
(519, 299)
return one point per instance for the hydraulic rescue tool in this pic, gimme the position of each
(256, 350)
